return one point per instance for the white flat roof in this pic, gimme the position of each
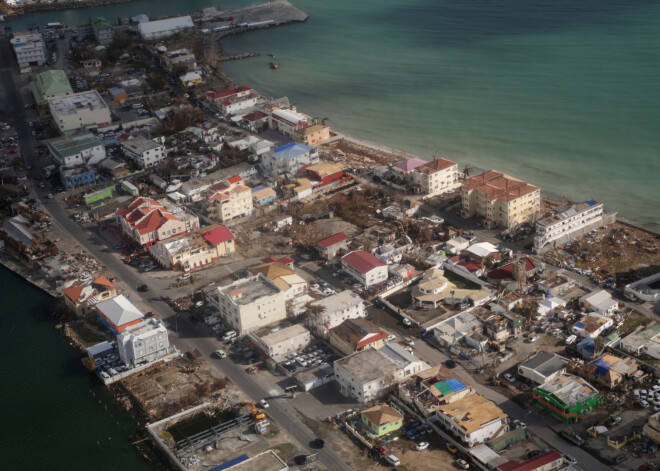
(158, 26)
(119, 310)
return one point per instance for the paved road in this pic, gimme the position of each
(190, 334)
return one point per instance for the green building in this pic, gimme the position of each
(98, 27)
(99, 195)
(381, 420)
(568, 397)
(50, 84)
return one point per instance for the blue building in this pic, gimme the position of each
(77, 176)
(263, 195)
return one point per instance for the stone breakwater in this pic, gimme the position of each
(54, 6)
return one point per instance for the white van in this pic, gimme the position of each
(393, 460)
(229, 335)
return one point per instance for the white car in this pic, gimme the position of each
(199, 303)
(422, 446)
(409, 341)
(220, 354)
(462, 464)
(643, 403)
(264, 404)
(509, 377)
(391, 337)
(406, 322)
(50, 196)
(533, 339)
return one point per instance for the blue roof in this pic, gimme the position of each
(259, 188)
(455, 385)
(580, 325)
(590, 202)
(291, 150)
(231, 463)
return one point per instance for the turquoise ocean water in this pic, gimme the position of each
(561, 93)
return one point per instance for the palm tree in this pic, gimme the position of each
(468, 170)
(599, 345)
(323, 121)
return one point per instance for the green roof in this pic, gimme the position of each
(100, 23)
(444, 388)
(53, 82)
(67, 146)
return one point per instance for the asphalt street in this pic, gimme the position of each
(189, 334)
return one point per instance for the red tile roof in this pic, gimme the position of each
(103, 281)
(371, 339)
(228, 93)
(436, 165)
(499, 185)
(234, 179)
(284, 260)
(332, 240)
(531, 464)
(73, 293)
(363, 261)
(256, 116)
(218, 235)
(151, 222)
(471, 266)
(506, 271)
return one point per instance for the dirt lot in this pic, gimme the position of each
(360, 155)
(166, 388)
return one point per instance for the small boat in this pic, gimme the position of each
(271, 55)
(274, 65)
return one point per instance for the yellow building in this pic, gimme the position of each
(501, 200)
(652, 428)
(194, 250)
(231, 199)
(313, 134)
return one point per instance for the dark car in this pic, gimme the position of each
(143, 288)
(150, 314)
(619, 458)
(450, 363)
(319, 443)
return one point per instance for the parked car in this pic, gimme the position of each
(462, 464)
(509, 377)
(570, 459)
(391, 337)
(422, 446)
(220, 353)
(143, 288)
(319, 442)
(533, 339)
(393, 460)
(263, 403)
(452, 448)
(409, 341)
(613, 420)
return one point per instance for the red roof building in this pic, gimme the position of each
(547, 461)
(331, 246)
(240, 91)
(80, 298)
(288, 261)
(218, 235)
(505, 272)
(365, 267)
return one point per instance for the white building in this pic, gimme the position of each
(647, 289)
(542, 367)
(85, 110)
(473, 419)
(435, 178)
(558, 228)
(287, 122)
(29, 48)
(281, 342)
(600, 301)
(288, 159)
(645, 340)
(150, 30)
(249, 303)
(235, 104)
(143, 343)
(77, 150)
(366, 375)
(145, 152)
(591, 325)
(334, 310)
(365, 267)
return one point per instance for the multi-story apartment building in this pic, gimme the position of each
(144, 152)
(314, 134)
(569, 398)
(365, 267)
(30, 49)
(50, 84)
(146, 221)
(84, 110)
(435, 178)
(102, 31)
(558, 228)
(195, 249)
(473, 419)
(77, 150)
(179, 58)
(334, 310)
(287, 122)
(249, 303)
(143, 342)
(502, 201)
(288, 159)
(216, 98)
(231, 199)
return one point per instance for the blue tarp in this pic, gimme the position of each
(455, 385)
(580, 325)
(231, 463)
